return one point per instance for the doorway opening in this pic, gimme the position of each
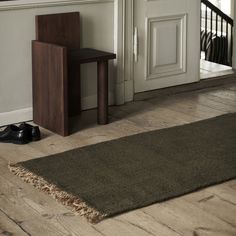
(217, 22)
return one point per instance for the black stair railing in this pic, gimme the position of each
(216, 34)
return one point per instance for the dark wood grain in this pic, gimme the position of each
(57, 31)
(50, 87)
(102, 67)
(74, 89)
(87, 55)
(62, 29)
(56, 72)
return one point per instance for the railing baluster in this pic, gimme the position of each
(221, 55)
(210, 57)
(221, 27)
(201, 29)
(227, 40)
(231, 45)
(216, 25)
(205, 46)
(211, 20)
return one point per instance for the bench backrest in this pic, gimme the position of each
(60, 28)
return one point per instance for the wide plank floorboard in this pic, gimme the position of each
(209, 212)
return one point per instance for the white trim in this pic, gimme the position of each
(90, 102)
(26, 114)
(21, 4)
(119, 47)
(17, 116)
(179, 67)
(123, 44)
(129, 56)
(129, 90)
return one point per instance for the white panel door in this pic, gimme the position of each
(166, 43)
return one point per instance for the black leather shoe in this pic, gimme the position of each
(33, 131)
(13, 134)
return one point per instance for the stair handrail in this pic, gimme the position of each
(214, 8)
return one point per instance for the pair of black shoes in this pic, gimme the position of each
(22, 134)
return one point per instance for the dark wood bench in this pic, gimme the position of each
(56, 60)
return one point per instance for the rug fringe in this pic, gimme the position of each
(67, 199)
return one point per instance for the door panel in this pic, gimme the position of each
(168, 43)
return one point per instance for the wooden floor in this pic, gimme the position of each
(210, 212)
(210, 69)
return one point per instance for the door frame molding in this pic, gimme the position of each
(123, 46)
(124, 29)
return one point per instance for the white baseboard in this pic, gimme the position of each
(129, 90)
(26, 114)
(90, 102)
(120, 93)
(17, 116)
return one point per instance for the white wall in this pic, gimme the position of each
(224, 5)
(16, 32)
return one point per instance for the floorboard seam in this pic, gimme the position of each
(163, 224)
(136, 226)
(98, 231)
(16, 222)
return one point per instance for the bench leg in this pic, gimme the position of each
(102, 92)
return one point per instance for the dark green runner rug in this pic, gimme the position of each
(132, 172)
